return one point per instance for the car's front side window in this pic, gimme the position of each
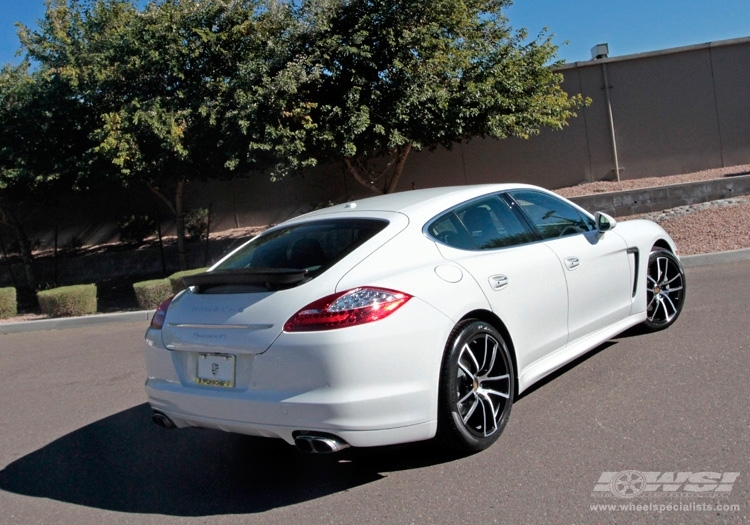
(551, 216)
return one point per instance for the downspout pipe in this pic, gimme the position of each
(611, 121)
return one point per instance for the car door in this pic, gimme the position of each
(596, 264)
(522, 280)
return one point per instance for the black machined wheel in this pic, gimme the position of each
(477, 386)
(665, 290)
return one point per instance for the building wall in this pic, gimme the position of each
(674, 111)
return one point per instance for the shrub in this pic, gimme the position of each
(136, 228)
(150, 294)
(176, 279)
(8, 304)
(196, 223)
(68, 300)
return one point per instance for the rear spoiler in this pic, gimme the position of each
(269, 278)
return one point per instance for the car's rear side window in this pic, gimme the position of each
(481, 224)
(311, 246)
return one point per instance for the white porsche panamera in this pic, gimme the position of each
(403, 317)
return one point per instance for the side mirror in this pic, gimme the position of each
(604, 222)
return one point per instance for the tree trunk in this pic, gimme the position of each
(398, 155)
(401, 156)
(359, 178)
(179, 216)
(180, 224)
(24, 245)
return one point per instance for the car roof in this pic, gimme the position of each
(416, 204)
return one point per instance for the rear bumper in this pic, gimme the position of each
(370, 385)
(355, 438)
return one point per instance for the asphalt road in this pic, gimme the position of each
(77, 446)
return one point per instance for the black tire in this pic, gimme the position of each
(665, 290)
(477, 386)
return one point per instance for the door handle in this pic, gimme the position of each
(498, 282)
(571, 263)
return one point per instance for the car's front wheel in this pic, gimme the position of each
(665, 290)
(477, 386)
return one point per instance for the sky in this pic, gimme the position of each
(627, 26)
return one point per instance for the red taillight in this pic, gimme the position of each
(157, 321)
(350, 308)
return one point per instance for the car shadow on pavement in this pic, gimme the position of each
(125, 463)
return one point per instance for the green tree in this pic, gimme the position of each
(40, 142)
(16, 180)
(393, 76)
(178, 91)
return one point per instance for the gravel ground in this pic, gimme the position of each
(709, 227)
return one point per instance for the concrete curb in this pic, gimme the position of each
(646, 200)
(61, 323)
(688, 261)
(708, 259)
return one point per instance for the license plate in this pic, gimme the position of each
(215, 370)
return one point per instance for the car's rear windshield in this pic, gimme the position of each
(312, 246)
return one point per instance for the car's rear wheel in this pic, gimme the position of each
(665, 290)
(477, 386)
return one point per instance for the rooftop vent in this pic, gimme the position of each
(599, 51)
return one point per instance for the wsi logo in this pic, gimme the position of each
(632, 483)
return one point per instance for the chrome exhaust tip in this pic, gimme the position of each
(319, 443)
(162, 420)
